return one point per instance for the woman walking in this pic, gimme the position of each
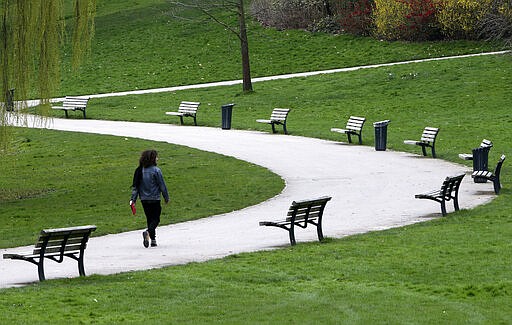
(149, 184)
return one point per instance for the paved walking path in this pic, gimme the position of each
(277, 77)
(371, 191)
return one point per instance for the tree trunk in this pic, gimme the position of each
(244, 47)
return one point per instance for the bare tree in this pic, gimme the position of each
(208, 8)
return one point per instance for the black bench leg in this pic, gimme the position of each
(81, 268)
(497, 185)
(273, 128)
(319, 232)
(84, 113)
(443, 207)
(433, 152)
(40, 269)
(66, 112)
(291, 232)
(284, 128)
(195, 122)
(181, 120)
(360, 139)
(424, 150)
(456, 203)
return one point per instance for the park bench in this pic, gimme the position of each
(449, 191)
(55, 244)
(278, 116)
(480, 158)
(484, 144)
(73, 103)
(428, 139)
(493, 177)
(186, 109)
(354, 127)
(300, 214)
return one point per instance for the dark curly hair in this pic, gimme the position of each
(147, 159)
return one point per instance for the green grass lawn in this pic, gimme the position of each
(454, 270)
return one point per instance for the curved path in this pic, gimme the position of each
(371, 191)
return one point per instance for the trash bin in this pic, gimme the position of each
(10, 100)
(381, 135)
(480, 162)
(227, 111)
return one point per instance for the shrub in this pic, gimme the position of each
(461, 18)
(413, 20)
(355, 16)
(389, 17)
(292, 14)
(497, 22)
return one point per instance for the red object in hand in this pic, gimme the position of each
(134, 209)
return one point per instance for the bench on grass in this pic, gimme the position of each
(278, 116)
(300, 214)
(484, 144)
(354, 127)
(428, 139)
(493, 177)
(55, 244)
(186, 109)
(73, 103)
(449, 191)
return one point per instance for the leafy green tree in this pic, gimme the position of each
(31, 35)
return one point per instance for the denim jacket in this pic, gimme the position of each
(151, 186)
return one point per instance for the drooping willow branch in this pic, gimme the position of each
(31, 35)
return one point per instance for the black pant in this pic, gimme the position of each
(152, 210)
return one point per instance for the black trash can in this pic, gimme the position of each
(227, 112)
(381, 135)
(480, 162)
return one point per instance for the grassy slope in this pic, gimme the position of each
(144, 46)
(452, 270)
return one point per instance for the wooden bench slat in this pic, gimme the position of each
(68, 230)
(58, 242)
(58, 249)
(486, 143)
(428, 137)
(307, 209)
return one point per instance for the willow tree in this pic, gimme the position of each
(32, 33)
